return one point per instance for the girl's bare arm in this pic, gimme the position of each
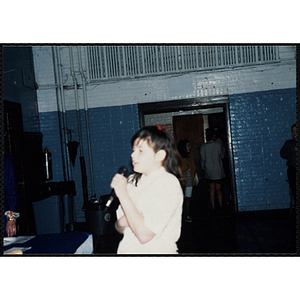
(134, 218)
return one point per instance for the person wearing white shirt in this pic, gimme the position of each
(151, 199)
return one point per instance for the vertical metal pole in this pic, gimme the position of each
(61, 111)
(124, 61)
(177, 58)
(100, 61)
(143, 59)
(221, 49)
(120, 61)
(138, 50)
(201, 56)
(162, 51)
(87, 122)
(157, 59)
(182, 55)
(105, 62)
(76, 101)
(82, 162)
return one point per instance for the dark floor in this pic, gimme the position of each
(270, 232)
(225, 232)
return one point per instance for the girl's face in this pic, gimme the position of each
(144, 159)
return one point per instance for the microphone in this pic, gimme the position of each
(123, 171)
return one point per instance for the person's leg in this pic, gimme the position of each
(212, 188)
(187, 209)
(291, 172)
(219, 193)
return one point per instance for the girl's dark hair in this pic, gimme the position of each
(181, 146)
(159, 139)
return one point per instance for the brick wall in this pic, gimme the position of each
(169, 128)
(163, 88)
(111, 129)
(262, 109)
(260, 124)
(51, 140)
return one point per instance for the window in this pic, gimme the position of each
(111, 62)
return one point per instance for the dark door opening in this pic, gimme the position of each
(190, 119)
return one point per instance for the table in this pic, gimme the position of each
(51, 244)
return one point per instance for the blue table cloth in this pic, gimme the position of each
(56, 243)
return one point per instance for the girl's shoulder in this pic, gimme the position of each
(166, 177)
(168, 184)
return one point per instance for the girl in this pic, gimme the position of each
(189, 174)
(151, 200)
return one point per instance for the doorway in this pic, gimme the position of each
(189, 119)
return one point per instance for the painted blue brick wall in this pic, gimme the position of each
(111, 129)
(49, 125)
(260, 124)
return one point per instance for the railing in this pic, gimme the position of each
(112, 62)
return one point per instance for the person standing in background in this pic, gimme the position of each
(189, 175)
(288, 152)
(212, 154)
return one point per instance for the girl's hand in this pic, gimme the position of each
(11, 228)
(132, 217)
(119, 184)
